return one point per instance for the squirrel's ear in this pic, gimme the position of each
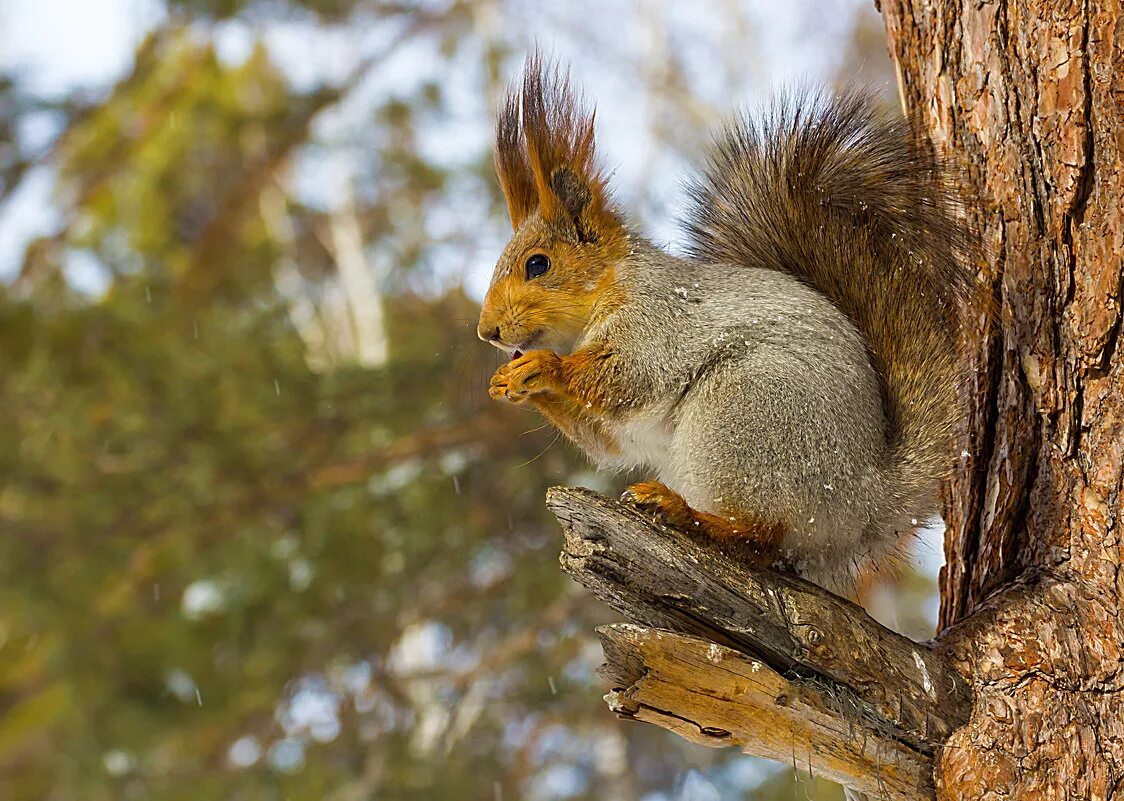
(574, 198)
(571, 191)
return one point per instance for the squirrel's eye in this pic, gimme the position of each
(537, 265)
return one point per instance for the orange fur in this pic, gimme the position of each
(586, 375)
(545, 155)
(579, 378)
(559, 306)
(580, 425)
(560, 207)
(756, 540)
(511, 163)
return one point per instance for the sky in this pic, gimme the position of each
(63, 44)
(59, 46)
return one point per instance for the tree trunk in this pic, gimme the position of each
(1029, 99)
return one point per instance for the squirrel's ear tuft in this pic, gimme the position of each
(512, 168)
(545, 155)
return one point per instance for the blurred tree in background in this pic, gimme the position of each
(264, 535)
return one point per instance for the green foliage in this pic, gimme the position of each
(240, 561)
(162, 177)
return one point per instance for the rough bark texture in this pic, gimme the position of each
(1029, 99)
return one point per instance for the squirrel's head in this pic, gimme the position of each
(557, 274)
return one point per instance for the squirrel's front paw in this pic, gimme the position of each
(531, 374)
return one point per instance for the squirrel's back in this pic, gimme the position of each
(833, 192)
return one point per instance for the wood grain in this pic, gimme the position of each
(721, 698)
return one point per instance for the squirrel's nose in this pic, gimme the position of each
(489, 336)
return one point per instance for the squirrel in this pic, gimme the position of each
(795, 379)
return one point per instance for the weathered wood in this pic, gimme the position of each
(718, 697)
(661, 577)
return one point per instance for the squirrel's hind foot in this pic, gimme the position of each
(663, 502)
(745, 539)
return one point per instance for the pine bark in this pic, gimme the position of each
(1028, 98)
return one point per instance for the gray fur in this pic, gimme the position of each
(804, 364)
(748, 390)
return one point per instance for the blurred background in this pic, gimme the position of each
(262, 533)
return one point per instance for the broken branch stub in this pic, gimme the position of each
(719, 697)
(663, 578)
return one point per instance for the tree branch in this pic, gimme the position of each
(889, 686)
(718, 697)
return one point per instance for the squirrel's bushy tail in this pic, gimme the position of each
(843, 197)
